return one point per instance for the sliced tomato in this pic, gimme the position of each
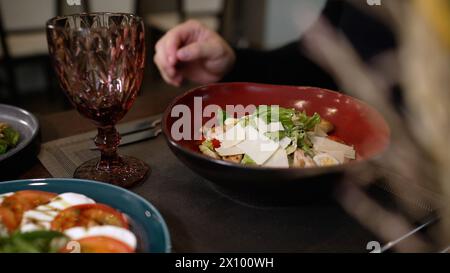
(8, 219)
(101, 244)
(215, 143)
(88, 215)
(22, 201)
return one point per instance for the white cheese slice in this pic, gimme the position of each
(275, 127)
(259, 147)
(235, 150)
(323, 144)
(284, 142)
(232, 137)
(118, 233)
(263, 127)
(338, 155)
(41, 217)
(278, 160)
(230, 121)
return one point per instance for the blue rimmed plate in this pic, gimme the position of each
(147, 223)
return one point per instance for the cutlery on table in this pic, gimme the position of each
(140, 132)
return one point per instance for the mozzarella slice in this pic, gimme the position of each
(278, 160)
(232, 136)
(3, 229)
(41, 217)
(118, 233)
(229, 151)
(259, 147)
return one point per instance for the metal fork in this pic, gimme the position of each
(145, 125)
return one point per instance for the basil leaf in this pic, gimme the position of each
(33, 242)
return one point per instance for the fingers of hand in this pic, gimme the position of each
(168, 73)
(179, 35)
(166, 50)
(207, 50)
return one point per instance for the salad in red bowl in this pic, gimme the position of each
(300, 152)
(276, 137)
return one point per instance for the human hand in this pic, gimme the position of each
(191, 51)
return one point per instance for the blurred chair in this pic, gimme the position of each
(209, 12)
(126, 6)
(23, 38)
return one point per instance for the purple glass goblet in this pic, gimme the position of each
(99, 60)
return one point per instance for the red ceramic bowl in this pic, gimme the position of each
(355, 122)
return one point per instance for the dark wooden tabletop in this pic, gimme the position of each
(68, 123)
(222, 225)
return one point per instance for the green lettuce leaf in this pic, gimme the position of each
(247, 160)
(221, 116)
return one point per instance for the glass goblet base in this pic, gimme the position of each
(125, 172)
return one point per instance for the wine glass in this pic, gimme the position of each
(99, 59)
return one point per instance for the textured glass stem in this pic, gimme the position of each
(107, 141)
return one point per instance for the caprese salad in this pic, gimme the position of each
(38, 221)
